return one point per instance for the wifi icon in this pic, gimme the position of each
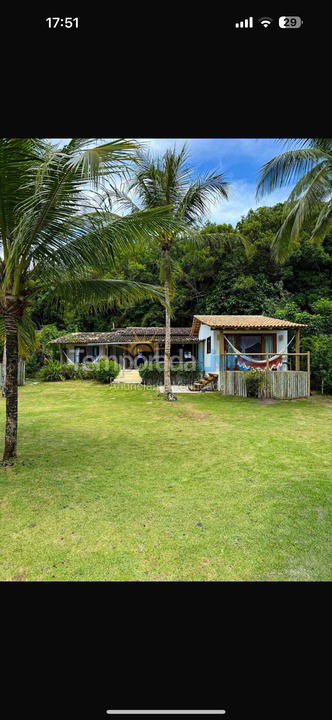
(265, 21)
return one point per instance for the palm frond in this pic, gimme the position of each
(319, 177)
(323, 224)
(54, 192)
(120, 198)
(90, 240)
(199, 196)
(27, 338)
(310, 200)
(96, 239)
(95, 293)
(284, 241)
(287, 168)
(324, 144)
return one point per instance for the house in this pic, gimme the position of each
(229, 345)
(226, 346)
(128, 346)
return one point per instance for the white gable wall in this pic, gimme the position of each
(212, 359)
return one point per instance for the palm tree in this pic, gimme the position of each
(55, 232)
(309, 165)
(163, 181)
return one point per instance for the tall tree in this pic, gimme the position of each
(163, 181)
(55, 232)
(309, 165)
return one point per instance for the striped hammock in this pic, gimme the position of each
(245, 362)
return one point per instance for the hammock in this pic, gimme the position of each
(245, 362)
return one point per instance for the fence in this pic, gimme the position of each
(290, 380)
(20, 373)
(287, 385)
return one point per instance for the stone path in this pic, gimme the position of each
(176, 389)
(131, 377)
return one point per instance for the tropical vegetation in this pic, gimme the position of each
(309, 165)
(58, 232)
(163, 181)
(224, 276)
(104, 371)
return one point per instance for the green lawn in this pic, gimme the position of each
(115, 484)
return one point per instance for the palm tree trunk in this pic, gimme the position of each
(167, 357)
(4, 355)
(10, 387)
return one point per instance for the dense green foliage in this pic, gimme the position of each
(152, 374)
(321, 362)
(224, 275)
(255, 381)
(104, 372)
(309, 165)
(43, 350)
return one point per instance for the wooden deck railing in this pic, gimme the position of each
(294, 361)
(290, 380)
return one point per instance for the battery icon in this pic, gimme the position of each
(290, 21)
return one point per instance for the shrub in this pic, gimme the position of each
(105, 371)
(35, 360)
(153, 374)
(34, 363)
(321, 363)
(69, 371)
(52, 372)
(255, 381)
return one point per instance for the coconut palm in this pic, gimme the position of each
(163, 181)
(54, 232)
(309, 165)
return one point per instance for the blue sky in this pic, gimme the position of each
(239, 158)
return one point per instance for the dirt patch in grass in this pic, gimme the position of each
(190, 411)
(320, 399)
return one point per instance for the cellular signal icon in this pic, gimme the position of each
(248, 23)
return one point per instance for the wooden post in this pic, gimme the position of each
(266, 374)
(297, 349)
(308, 371)
(61, 354)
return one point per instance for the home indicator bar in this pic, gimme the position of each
(166, 712)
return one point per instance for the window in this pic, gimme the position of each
(250, 344)
(187, 354)
(208, 344)
(268, 343)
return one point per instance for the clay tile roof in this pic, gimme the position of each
(126, 335)
(241, 322)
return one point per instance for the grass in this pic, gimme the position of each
(120, 485)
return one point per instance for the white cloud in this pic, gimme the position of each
(242, 198)
(239, 158)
